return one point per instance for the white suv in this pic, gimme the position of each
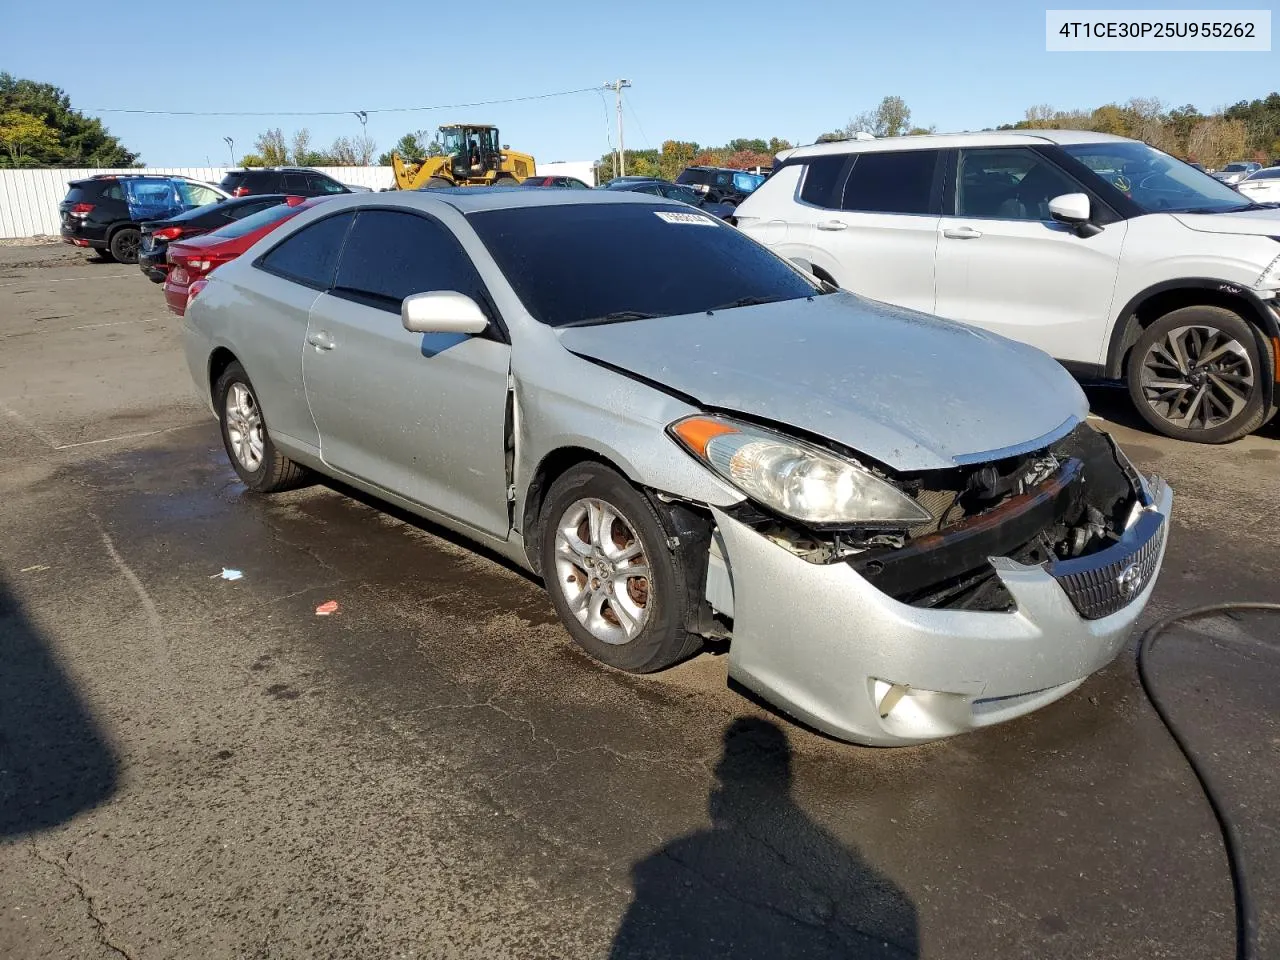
(1115, 258)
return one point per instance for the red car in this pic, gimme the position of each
(190, 261)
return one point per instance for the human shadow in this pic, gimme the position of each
(764, 881)
(54, 762)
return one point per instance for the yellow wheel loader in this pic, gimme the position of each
(471, 157)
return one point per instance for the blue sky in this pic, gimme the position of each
(755, 68)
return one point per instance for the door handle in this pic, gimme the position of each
(832, 225)
(320, 340)
(961, 233)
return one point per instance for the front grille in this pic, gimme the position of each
(1099, 585)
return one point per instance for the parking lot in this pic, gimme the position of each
(197, 766)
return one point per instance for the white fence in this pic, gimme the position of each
(29, 198)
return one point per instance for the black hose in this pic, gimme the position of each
(1246, 916)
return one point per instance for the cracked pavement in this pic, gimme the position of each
(197, 767)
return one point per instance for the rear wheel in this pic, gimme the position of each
(244, 434)
(124, 244)
(505, 180)
(436, 183)
(617, 585)
(1196, 374)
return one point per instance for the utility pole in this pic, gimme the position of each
(617, 86)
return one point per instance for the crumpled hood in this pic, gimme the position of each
(907, 389)
(1264, 223)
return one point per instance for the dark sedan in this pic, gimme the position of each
(158, 234)
(673, 191)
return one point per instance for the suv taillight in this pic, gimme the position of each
(81, 209)
(168, 233)
(240, 192)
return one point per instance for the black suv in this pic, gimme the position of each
(296, 181)
(105, 212)
(721, 184)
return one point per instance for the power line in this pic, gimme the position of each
(647, 142)
(339, 113)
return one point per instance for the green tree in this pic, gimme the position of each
(414, 147)
(892, 118)
(78, 140)
(22, 134)
(271, 147)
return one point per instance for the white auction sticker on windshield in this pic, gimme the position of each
(694, 219)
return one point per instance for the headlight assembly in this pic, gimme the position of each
(794, 478)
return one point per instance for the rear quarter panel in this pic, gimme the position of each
(262, 320)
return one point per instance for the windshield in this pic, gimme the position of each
(1271, 173)
(253, 222)
(1155, 181)
(451, 140)
(1236, 168)
(563, 261)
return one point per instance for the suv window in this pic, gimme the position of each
(196, 194)
(1008, 184)
(232, 181)
(391, 255)
(309, 256)
(824, 180)
(892, 182)
(294, 182)
(322, 184)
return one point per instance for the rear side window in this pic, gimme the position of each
(294, 183)
(391, 255)
(824, 181)
(309, 256)
(892, 182)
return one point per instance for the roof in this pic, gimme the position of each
(936, 141)
(477, 199)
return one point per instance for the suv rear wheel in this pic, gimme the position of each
(1196, 374)
(124, 244)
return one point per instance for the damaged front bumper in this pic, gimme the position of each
(825, 645)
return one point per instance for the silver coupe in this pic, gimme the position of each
(903, 526)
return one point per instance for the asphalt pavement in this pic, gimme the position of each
(193, 766)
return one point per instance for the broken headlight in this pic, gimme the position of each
(794, 478)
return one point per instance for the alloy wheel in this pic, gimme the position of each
(1197, 377)
(603, 571)
(244, 426)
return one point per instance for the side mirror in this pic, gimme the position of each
(1073, 210)
(442, 311)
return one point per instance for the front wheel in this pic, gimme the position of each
(1196, 374)
(619, 587)
(262, 467)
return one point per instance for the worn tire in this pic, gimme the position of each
(436, 183)
(124, 244)
(1251, 414)
(662, 640)
(274, 471)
